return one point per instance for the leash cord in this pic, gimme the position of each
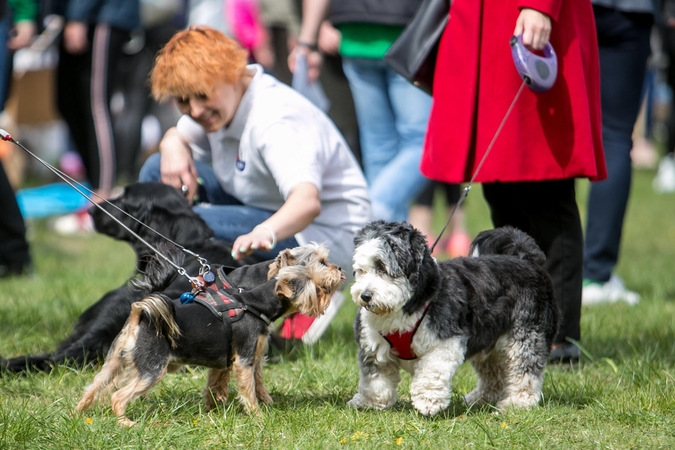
(466, 190)
(72, 182)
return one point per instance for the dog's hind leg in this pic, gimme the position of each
(137, 386)
(258, 361)
(217, 387)
(489, 369)
(115, 362)
(145, 365)
(524, 356)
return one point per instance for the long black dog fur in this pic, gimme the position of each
(164, 209)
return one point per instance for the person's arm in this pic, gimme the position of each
(299, 210)
(25, 13)
(313, 13)
(535, 27)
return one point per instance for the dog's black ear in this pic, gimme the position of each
(418, 251)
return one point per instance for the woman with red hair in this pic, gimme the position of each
(265, 167)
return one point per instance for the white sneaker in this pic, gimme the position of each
(317, 328)
(610, 292)
(664, 182)
(79, 222)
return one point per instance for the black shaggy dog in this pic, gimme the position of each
(164, 209)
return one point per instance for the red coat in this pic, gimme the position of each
(551, 135)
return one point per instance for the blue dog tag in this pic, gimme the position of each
(186, 297)
(209, 277)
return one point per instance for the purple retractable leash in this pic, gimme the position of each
(539, 74)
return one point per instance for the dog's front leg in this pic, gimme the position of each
(245, 378)
(260, 390)
(431, 387)
(217, 387)
(377, 383)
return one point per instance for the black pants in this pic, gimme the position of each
(547, 211)
(83, 90)
(13, 245)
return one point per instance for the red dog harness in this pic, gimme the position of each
(401, 343)
(213, 296)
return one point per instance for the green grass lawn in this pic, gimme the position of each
(622, 395)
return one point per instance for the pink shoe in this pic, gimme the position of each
(458, 245)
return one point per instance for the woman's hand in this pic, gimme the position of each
(177, 167)
(301, 207)
(535, 28)
(75, 37)
(24, 32)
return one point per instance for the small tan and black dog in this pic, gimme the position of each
(162, 334)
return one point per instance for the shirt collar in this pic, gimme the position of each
(236, 127)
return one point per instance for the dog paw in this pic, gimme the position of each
(473, 398)
(521, 400)
(264, 397)
(125, 421)
(360, 401)
(430, 406)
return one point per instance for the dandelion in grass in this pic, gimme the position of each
(399, 440)
(88, 420)
(194, 422)
(504, 425)
(359, 435)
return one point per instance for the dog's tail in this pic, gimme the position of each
(161, 314)
(159, 273)
(507, 240)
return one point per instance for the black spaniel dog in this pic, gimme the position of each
(163, 209)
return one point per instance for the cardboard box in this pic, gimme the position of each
(32, 98)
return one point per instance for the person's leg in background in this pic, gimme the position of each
(14, 250)
(15, 256)
(624, 44)
(664, 182)
(392, 116)
(84, 88)
(548, 211)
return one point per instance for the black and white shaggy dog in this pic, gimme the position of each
(161, 334)
(495, 309)
(163, 209)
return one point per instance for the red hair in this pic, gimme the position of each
(194, 60)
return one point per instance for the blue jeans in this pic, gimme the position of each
(392, 115)
(224, 214)
(624, 48)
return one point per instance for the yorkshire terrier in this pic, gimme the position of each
(161, 334)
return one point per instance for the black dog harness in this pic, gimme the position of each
(209, 291)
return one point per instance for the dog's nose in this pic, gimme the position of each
(366, 296)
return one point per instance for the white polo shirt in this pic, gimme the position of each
(277, 140)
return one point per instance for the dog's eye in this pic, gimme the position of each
(380, 268)
(323, 262)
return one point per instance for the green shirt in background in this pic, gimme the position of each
(367, 40)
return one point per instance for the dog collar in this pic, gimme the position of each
(401, 343)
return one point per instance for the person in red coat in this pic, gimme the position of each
(547, 141)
